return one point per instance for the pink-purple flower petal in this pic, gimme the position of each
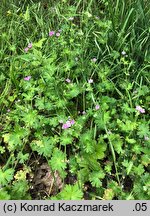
(68, 80)
(30, 45)
(51, 33)
(58, 34)
(140, 109)
(27, 78)
(26, 49)
(97, 107)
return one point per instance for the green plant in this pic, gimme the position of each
(74, 95)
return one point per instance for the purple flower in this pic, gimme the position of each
(94, 59)
(27, 78)
(90, 81)
(51, 33)
(83, 113)
(57, 34)
(26, 49)
(68, 80)
(8, 110)
(65, 126)
(68, 124)
(97, 107)
(30, 45)
(140, 109)
(72, 122)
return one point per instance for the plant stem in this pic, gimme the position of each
(113, 154)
